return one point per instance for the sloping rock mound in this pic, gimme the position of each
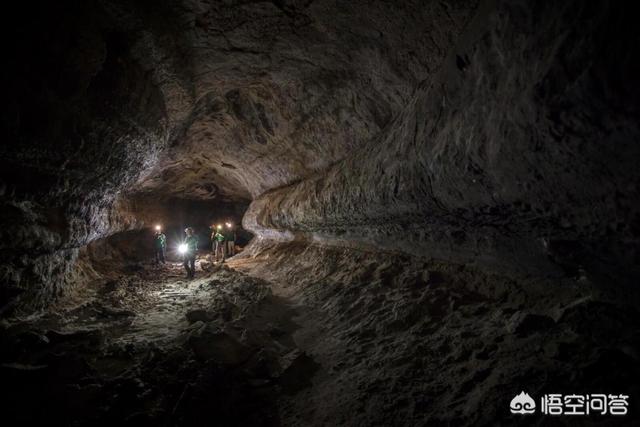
(390, 344)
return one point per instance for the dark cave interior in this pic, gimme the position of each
(437, 206)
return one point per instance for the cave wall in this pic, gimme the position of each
(494, 132)
(281, 90)
(194, 100)
(520, 153)
(82, 118)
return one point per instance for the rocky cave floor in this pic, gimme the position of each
(276, 338)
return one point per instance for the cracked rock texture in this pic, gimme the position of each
(214, 101)
(404, 340)
(500, 134)
(444, 198)
(526, 137)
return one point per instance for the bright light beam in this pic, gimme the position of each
(182, 248)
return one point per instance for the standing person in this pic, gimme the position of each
(219, 244)
(213, 239)
(189, 248)
(230, 239)
(160, 245)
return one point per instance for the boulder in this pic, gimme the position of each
(218, 346)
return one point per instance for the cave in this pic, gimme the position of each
(435, 207)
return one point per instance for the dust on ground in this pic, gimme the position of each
(402, 340)
(152, 347)
(304, 335)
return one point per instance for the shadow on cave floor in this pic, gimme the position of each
(154, 348)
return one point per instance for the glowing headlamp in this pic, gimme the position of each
(182, 248)
(158, 228)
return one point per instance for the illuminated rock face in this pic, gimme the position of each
(497, 133)
(443, 197)
(207, 102)
(515, 147)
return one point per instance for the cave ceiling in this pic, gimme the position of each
(258, 95)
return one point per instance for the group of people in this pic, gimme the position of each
(223, 245)
(223, 241)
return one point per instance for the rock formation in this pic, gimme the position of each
(413, 168)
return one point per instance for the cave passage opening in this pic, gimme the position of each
(172, 215)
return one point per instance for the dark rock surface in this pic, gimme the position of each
(98, 363)
(187, 100)
(444, 197)
(530, 145)
(483, 133)
(403, 340)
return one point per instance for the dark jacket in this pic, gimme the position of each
(160, 241)
(229, 235)
(192, 244)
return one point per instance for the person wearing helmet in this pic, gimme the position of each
(191, 248)
(230, 239)
(218, 239)
(213, 239)
(160, 245)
